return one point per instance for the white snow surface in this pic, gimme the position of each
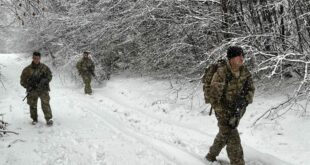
(132, 120)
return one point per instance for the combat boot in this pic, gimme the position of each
(34, 121)
(49, 122)
(210, 158)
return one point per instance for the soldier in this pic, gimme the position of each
(86, 69)
(231, 90)
(35, 78)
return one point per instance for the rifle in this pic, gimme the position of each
(26, 96)
(33, 79)
(234, 121)
(210, 113)
(28, 92)
(240, 105)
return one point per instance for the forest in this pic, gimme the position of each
(174, 39)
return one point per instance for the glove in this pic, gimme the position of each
(234, 121)
(93, 74)
(29, 89)
(241, 103)
(43, 83)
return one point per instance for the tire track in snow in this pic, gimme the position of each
(191, 140)
(125, 105)
(164, 146)
(173, 153)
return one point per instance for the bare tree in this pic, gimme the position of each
(3, 127)
(174, 39)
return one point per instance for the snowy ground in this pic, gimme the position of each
(134, 121)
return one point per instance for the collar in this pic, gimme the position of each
(33, 65)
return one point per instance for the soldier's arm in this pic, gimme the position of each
(23, 79)
(217, 88)
(49, 74)
(92, 66)
(79, 66)
(250, 92)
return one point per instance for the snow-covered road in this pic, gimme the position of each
(122, 123)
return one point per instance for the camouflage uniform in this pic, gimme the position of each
(35, 78)
(225, 88)
(86, 69)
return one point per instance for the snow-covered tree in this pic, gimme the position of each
(173, 38)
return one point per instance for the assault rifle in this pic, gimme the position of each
(34, 81)
(28, 92)
(240, 105)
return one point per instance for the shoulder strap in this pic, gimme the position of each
(228, 78)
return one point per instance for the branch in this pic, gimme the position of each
(15, 141)
(283, 104)
(4, 132)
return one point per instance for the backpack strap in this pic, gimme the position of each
(228, 78)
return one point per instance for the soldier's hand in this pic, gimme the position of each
(27, 86)
(234, 120)
(43, 82)
(241, 103)
(93, 73)
(29, 89)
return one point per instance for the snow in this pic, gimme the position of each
(135, 121)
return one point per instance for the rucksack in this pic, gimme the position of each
(207, 78)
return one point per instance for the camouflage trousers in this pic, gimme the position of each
(87, 81)
(227, 137)
(32, 101)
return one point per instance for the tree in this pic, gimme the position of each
(174, 39)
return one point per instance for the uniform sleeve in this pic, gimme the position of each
(49, 74)
(92, 66)
(250, 92)
(23, 79)
(217, 87)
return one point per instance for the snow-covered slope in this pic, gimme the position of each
(131, 121)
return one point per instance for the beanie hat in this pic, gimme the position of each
(234, 51)
(86, 53)
(36, 54)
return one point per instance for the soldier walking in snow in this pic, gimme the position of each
(86, 69)
(230, 91)
(35, 78)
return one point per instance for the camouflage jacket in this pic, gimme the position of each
(85, 66)
(36, 77)
(225, 87)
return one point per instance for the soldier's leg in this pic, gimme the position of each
(234, 148)
(87, 85)
(87, 81)
(45, 104)
(84, 77)
(32, 101)
(219, 142)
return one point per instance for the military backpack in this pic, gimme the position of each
(207, 78)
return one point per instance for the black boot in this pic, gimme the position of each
(34, 121)
(210, 158)
(49, 122)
